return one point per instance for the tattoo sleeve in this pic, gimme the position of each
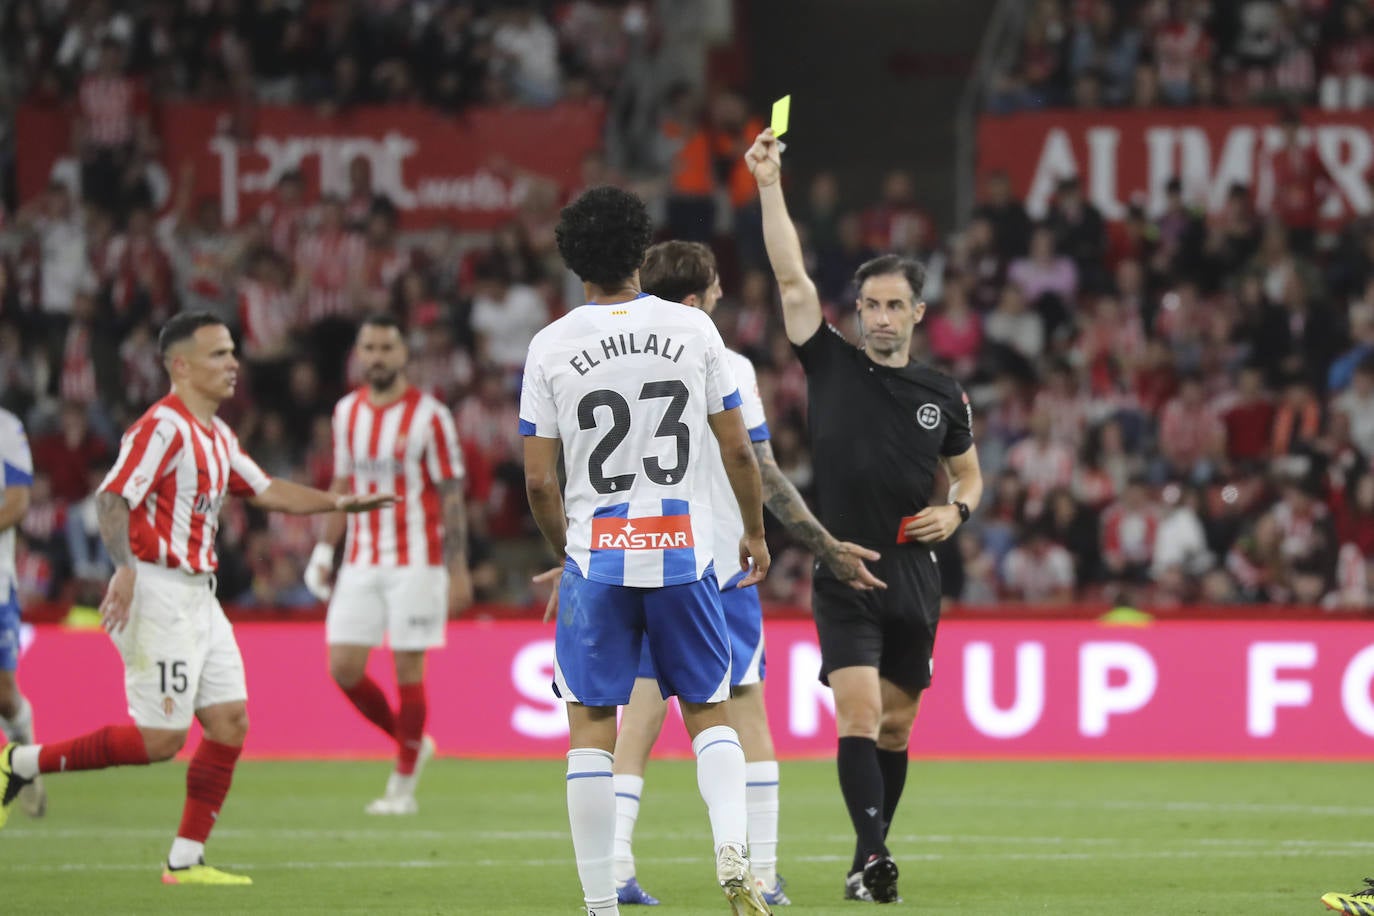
(112, 513)
(787, 505)
(455, 522)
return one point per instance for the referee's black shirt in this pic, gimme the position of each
(877, 435)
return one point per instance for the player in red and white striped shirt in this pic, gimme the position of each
(159, 511)
(405, 569)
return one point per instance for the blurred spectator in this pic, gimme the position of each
(1357, 404)
(956, 332)
(1038, 570)
(525, 54)
(1192, 439)
(112, 119)
(1248, 416)
(1181, 554)
(1041, 462)
(1074, 527)
(1130, 529)
(1297, 422)
(505, 317)
(1080, 234)
(1011, 226)
(1015, 326)
(67, 452)
(1301, 183)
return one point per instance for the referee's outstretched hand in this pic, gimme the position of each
(755, 549)
(846, 561)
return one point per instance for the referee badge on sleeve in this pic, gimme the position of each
(928, 415)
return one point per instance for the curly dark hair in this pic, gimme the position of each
(603, 235)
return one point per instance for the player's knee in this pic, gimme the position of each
(162, 744)
(345, 672)
(232, 728)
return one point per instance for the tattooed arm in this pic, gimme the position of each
(845, 560)
(456, 545)
(112, 513)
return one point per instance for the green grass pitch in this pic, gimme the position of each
(492, 837)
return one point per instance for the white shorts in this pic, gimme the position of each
(407, 604)
(178, 648)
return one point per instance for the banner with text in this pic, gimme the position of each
(1218, 689)
(469, 170)
(1121, 154)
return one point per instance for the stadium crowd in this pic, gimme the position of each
(1149, 53)
(1173, 409)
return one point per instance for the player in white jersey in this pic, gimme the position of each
(686, 272)
(159, 511)
(405, 569)
(16, 482)
(627, 387)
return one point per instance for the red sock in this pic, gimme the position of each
(410, 726)
(371, 702)
(207, 782)
(111, 746)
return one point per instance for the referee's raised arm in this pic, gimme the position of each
(801, 306)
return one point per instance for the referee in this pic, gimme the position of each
(880, 425)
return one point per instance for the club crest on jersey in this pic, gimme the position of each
(654, 532)
(928, 415)
(206, 504)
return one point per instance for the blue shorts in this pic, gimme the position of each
(9, 632)
(744, 620)
(602, 629)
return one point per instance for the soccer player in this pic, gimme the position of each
(627, 386)
(16, 480)
(881, 426)
(405, 569)
(686, 272)
(158, 511)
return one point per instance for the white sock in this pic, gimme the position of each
(185, 853)
(20, 728)
(720, 778)
(591, 815)
(761, 792)
(628, 790)
(398, 785)
(24, 760)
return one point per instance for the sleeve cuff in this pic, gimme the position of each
(527, 428)
(731, 400)
(17, 477)
(759, 433)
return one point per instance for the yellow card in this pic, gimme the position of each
(782, 109)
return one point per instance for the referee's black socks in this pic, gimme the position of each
(861, 783)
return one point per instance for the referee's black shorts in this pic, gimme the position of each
(890, 629)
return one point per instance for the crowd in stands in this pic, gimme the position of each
(1176, 408)
(1089, 54)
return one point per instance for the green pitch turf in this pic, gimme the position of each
(492, 837)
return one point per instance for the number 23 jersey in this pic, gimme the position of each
(627, 388)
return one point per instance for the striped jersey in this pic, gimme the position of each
(628, 389)
(174, 472)
(406, 447)
(16, 470)
(729, 525)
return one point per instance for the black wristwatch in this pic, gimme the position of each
(963, 511)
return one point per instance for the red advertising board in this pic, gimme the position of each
(1120, 154)
(1002, 689)
(437, 168)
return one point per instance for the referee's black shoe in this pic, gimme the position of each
(880, 879)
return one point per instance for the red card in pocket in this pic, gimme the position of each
(901, 529)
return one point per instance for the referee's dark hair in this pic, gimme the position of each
(603, 235)
(886, 264)
(183, 326)
(676, 270)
